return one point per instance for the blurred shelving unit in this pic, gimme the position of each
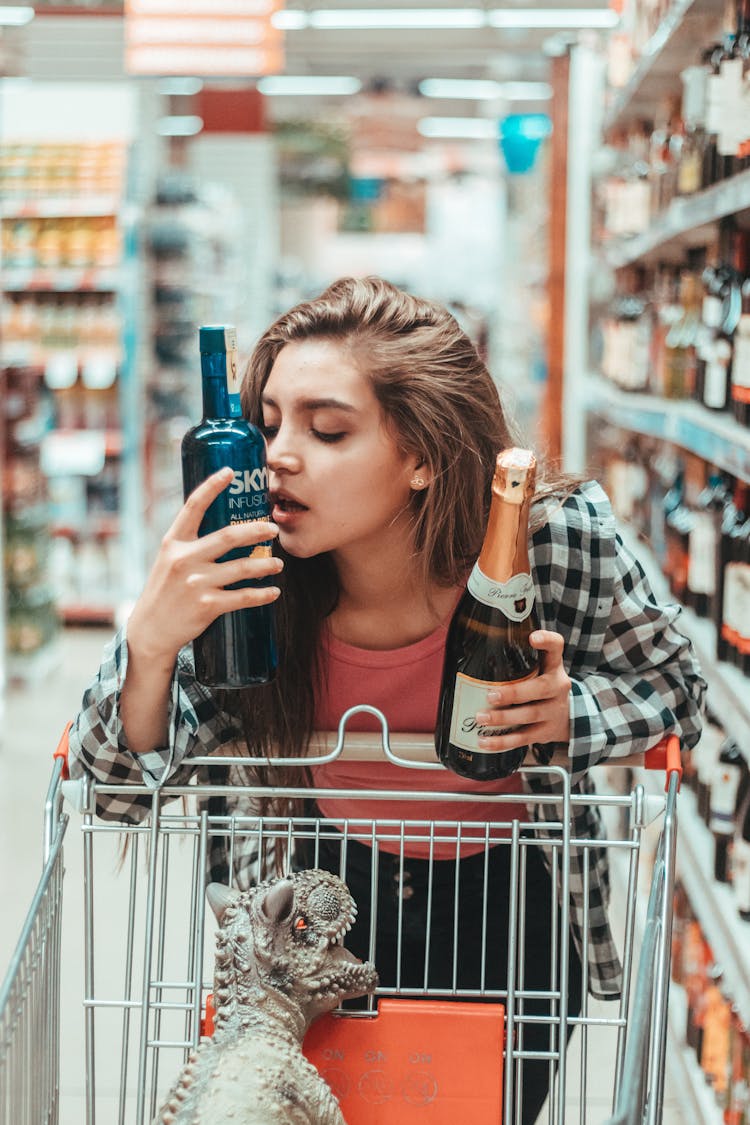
(70, 304)
(614, 418)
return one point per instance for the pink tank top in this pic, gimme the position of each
(405, 684)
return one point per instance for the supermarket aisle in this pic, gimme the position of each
(35, 718)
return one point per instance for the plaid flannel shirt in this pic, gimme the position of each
(634, 679)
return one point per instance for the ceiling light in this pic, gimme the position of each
(435, 19)
(179, 125)
(466, 128)
(553, 17)
(396, 19)
(476, 89)
(525, 91)
(16, 15)
(308, 85)
(287, 20)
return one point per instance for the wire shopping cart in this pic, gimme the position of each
(421, 1050)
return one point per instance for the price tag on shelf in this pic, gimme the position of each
(73, 453)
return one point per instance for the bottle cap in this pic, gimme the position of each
(515, 475)
(217, 338)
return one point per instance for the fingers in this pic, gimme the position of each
(252, 568)
(234, 537)
(512, 739)
(552, 644)
(195, 507)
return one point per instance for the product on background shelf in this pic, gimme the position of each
(238, 649)
(741, 859)
(725, 787)
(715, 1043)
(728, 593)
(488, 637)
(706, 758)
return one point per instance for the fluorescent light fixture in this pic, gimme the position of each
(387, 19)
(525, 91)
(473, 89)
(179, 125)
(290, 20)
(465, 128)
(552, 17)
(16, 15)
(308, 85)
(436, 19)
(484, 89)
(179, 86)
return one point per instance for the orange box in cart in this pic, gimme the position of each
(415, 1060)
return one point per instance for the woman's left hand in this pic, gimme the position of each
(537, 710)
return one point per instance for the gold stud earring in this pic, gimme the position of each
(418, 482)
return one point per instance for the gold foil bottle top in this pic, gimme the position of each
(515, 475)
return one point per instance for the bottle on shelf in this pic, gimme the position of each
(238, 649)
(727, 603)
(703, 539)
(488, 637)
(706, 757)
(715, 1044)
(740, 390)
(725, 787)
(741, 858)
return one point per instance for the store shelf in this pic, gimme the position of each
(696, 1095)
(684, 215)
(715, 437)
(80, 613)
(728, 690)
(23, 354)
(667, 52)
(60, 280)
(714, 903)
(63, 206)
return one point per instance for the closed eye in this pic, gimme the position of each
(331, 439)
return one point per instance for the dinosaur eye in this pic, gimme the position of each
(300, 924)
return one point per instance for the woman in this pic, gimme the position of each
(382, 426)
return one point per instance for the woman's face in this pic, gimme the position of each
(338, 479)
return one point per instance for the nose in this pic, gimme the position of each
(280, 453)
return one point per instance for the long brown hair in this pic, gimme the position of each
(442, 405)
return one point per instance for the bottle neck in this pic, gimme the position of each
(220, 399)
(505, 551)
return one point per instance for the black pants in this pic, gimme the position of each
(409, 889)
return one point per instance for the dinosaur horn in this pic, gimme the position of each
(279, 901)
(220, 897)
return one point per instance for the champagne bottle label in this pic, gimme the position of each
(469, 697)
(514, 598)
(741, 873)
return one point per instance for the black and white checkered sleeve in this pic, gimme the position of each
(98, 746)
(647, 683)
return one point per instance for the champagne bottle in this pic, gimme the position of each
(488, 638)
(238, 649)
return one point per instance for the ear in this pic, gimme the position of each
(220, 897)
(420, 473)
(278, 902)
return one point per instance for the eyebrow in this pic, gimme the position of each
(315, 404)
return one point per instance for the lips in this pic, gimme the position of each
(285, 503)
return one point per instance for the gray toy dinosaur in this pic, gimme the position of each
(279, 965)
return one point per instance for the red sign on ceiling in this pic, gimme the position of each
(203, 37)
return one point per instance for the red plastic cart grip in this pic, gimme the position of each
(665, 755)
(61, 750)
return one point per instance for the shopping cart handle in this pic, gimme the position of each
(61, 751)
(666, 756)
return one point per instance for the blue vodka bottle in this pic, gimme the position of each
(238, 649)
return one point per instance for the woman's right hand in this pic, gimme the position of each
(185, 590)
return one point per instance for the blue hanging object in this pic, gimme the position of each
(520, 137)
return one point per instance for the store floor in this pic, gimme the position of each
(35, 717)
